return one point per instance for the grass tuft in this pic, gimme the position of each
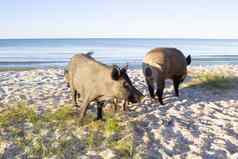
(125, 146)
(16, 69)
(62, 114)
(18, 114)
(215, 79)
(112, 126)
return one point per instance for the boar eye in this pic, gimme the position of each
(126, 84)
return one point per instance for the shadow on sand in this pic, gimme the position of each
(196, 118)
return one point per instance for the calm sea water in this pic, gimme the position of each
(57, 52)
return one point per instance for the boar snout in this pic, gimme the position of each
(132, 99)
(135, 96)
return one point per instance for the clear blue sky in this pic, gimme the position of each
(119, 18)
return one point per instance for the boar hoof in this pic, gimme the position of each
(152, 97)
(76, 105)
(101, 119)
(161, 102)
(176, 94)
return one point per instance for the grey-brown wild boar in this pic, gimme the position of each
(95, 81)
(164, 63)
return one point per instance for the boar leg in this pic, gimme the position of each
(74, 93)
(150, 87)
(115, 102)
(99, 110)
(160, 89)
(125, 105)
(176, 81)
(83, 109)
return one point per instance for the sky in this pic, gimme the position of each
(119, 19)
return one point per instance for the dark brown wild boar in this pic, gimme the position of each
(95, 81)
(161, 64)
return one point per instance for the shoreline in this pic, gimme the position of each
(26, 68)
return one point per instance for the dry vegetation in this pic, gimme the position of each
(213, 79)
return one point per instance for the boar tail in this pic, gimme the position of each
(188, 60)
(89, 54)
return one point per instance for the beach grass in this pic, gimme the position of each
(60, 133)
(19, 69)
(16, 69)
(214, 79)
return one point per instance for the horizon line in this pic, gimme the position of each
(164, 38)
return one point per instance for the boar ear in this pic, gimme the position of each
(115, 72)
(188, 59)
(90, 53)
(125, 68)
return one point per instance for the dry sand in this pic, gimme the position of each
(201, 123)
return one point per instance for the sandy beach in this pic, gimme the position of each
(201, 123)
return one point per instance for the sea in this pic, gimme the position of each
(45, 53)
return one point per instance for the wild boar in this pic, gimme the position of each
(164, 63)
(114, 102)
(95, 81)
